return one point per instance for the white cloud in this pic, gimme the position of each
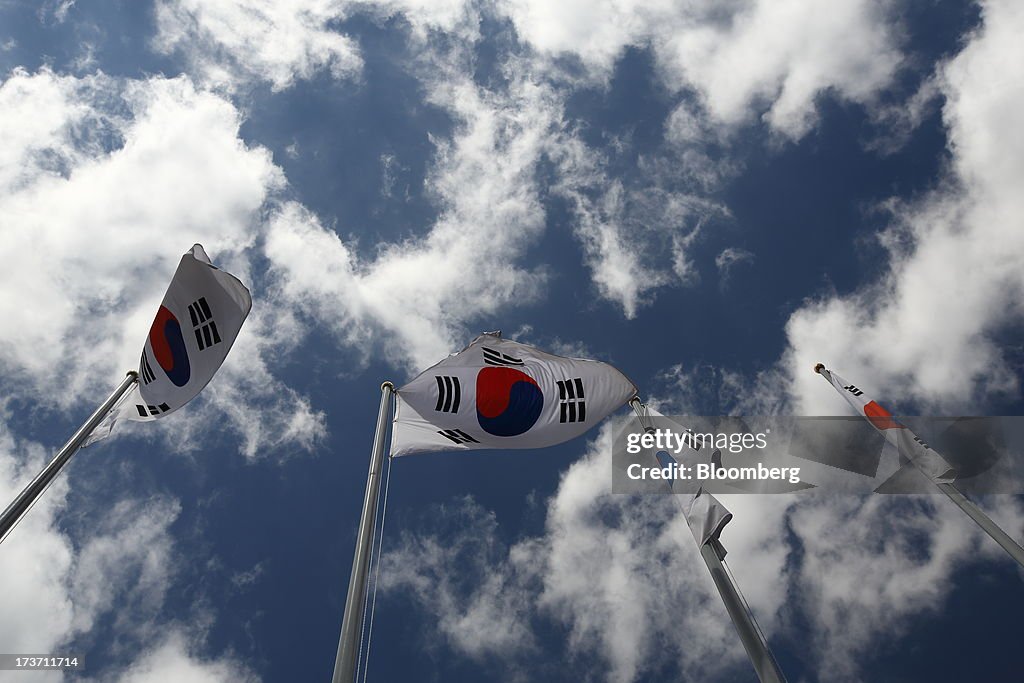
(728, 259)
(927, 329)
(118, 572)
(234, 40)
(174, 659)
(604, 570)
(729, 63)
(491, 620)
(595, 32)
(229, 43)
(425, 290)
(36, 559)
(742, 58)
(872, 564)
(105, 182)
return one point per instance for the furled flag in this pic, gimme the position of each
(195, 326)
(705, 515)
(930, 463)
(497, 393)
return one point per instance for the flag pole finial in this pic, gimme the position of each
(819, 367)
(386, 384)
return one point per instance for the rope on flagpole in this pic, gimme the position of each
(376, 571)
(350, 639)
(753, 620)
(366, 596)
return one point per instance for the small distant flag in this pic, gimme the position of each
(930, 463)
(201, 315)
(497, 393)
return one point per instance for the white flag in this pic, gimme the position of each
(497, 393)
(930, 463)
(195, 326)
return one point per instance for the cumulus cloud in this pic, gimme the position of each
(744, 59)
(105, 182)
(927, 330)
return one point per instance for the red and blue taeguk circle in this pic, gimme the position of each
(508, 401)
(169, 347)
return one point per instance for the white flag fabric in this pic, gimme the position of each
(195, 326)
(705, 516)
(497, 393)
(930, 463)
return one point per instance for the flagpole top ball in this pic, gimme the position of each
(819, 367)
(133, 374)
(386, 384)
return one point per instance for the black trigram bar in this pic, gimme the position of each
(153, 410)
(923, 444)
(145, 370)
(449, 393)
(572, 407)
(457, 436)
(570, 388)
(492, 357)
(853, 390)
(199, 311)
(202, 320)
(207, 335)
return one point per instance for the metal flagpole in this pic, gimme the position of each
(27, 498)
(352, 621)
(1005, 541)
(753, 640)
(641, 413)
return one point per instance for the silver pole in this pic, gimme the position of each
(352, 622)
(985, 522)
(27, 498)
(761, 658)
(973, 511)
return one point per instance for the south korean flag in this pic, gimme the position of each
(908, 445)
(497, 393)
(195, 326)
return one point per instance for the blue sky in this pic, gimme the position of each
(711, 196)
